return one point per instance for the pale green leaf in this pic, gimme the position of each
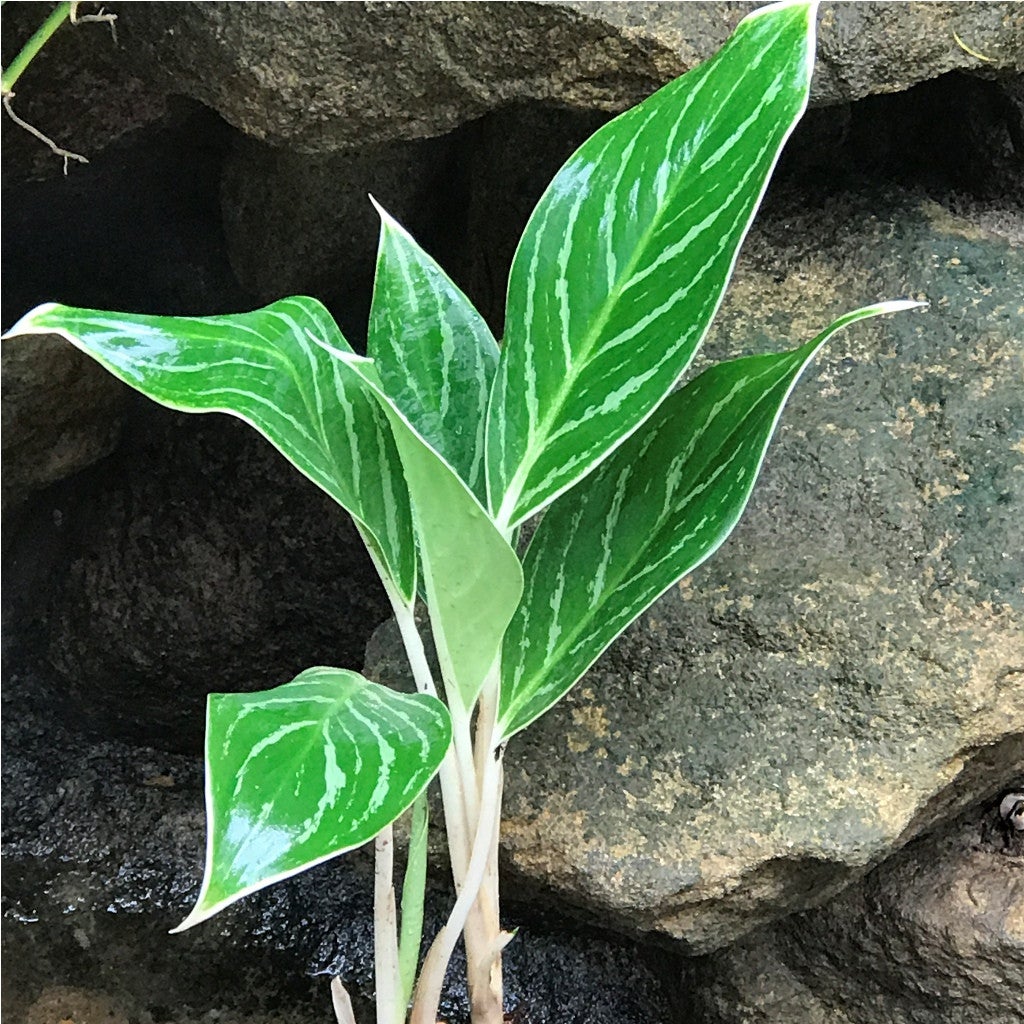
(435, 355)
(306, 771)
(273, 368)
(650, 514)
(472, 576)
(624, 262)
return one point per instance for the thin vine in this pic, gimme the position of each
(61, 13)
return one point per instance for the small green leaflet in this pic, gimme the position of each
(435, 355)
(473, 578)
(626, 258)
(308, 770)
(275, 369)
(651, 513)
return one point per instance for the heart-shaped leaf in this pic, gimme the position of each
(274, 369)
(435, 355)
(650, 514)
(306, 771)
(624, 262)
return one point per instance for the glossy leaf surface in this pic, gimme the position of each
(306, 771)
(472, 577)
(435, 355)
(651, 513)
(274, 369)
(624, 262)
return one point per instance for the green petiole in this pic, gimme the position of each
(413, 890)
(39, 39)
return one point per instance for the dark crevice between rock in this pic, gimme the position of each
(955, 133)
(137, 229)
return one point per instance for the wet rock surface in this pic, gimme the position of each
(933, 935)
(825, 688)
(102, 855)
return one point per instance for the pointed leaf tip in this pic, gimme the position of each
(626, 258)
(651, 513)
(282, 369)
(306, 771)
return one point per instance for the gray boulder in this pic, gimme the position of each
(932, 936)
(826, 687)
(61, 412)
(195, 559)
(323, 76)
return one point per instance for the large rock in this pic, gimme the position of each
(140, 226)
(826, 687)
(932, 936)
(194, 559)
(321, 76)
(102, 851)
(61, 412)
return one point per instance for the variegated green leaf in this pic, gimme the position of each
(648, 515)
(625, 260)
(435, 355)
(303, 772)
(472, 577)
(274, 369)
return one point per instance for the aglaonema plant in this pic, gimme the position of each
(441, 444)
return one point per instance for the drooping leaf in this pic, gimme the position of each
(435, 355)
(624, 262)
(472, 577)
(308, 770)
(651, 513)
(274, 369)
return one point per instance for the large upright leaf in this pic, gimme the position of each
(273, 368)
(472, 577)
(652, 512)
(306, 771)
(435, 355)
(624, 261)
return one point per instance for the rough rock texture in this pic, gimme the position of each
(934, 935)
(60, 412)
(321, 76)
(103, 843)
(827, 686)
(195, 559)
(304, 224)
